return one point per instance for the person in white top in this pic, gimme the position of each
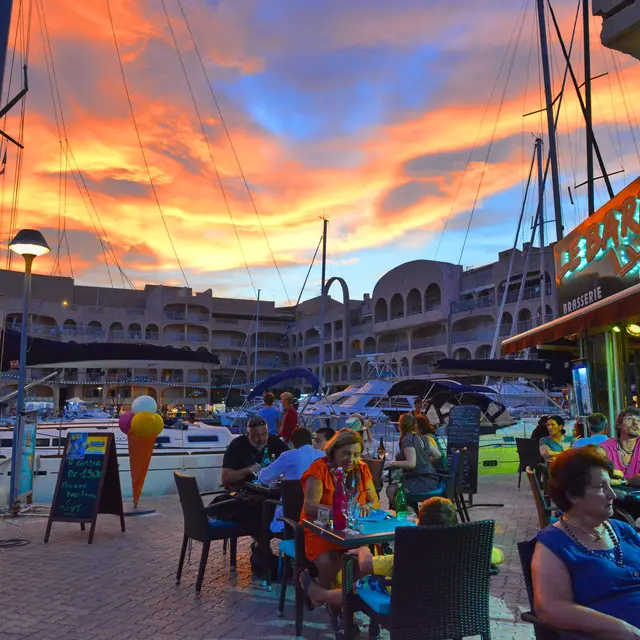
(290, 465)
(293, 463)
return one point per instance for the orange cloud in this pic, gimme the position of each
(362, 183)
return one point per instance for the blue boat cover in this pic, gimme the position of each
(295, 372)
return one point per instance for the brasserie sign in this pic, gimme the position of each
(602, 255)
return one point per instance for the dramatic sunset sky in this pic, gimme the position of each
(363, 111)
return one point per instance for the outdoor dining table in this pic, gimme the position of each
(372, 532)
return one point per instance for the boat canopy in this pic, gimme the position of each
(558, 371)
(288, 374)
(42, 351)
(421, 387)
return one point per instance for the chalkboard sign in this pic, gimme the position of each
(88, 482)
(464, 433)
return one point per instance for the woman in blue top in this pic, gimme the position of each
(586, 568)
(553, 444)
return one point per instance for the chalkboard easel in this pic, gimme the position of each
(464, 433)
(88, 482)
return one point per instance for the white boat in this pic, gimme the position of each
(194, 449)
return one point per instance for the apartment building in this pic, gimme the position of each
(417, 313)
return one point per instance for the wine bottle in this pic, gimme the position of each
(382, 452)
(401, 503)
(340, 503)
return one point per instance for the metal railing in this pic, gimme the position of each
(428, 341)
(472, 335)
(183, 316)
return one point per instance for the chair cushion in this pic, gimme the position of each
(288, 548)
(379, 602)
(221, 524)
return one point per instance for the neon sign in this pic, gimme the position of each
(616, 234)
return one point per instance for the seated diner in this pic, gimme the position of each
(373, 569)
(623, 450)
(553, 444)
(416, 454)
(586, 566)
(343, 450)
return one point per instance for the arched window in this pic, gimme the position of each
(414, 302)
(381, 311)
(432, 297)
(397, 306)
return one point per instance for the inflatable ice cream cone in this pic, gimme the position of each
(140, 451)
(142, 429)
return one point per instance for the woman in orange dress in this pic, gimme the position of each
(318, 482)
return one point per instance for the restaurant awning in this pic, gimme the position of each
(623, 306)
(558, 371)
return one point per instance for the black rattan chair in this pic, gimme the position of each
(199, 525)
(450, 486)
(376, 466)
(546, 513)
(542, 630)
(292, 548)
(452, 563)
(529, 454)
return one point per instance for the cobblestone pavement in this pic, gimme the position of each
(122, 586)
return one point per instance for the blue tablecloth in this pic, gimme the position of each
(384, 526)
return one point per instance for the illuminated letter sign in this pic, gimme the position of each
(602, 255)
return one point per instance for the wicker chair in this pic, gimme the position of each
(292, 548)
(453, 562)
(529, 454)
(376, 467)
(545, 511)
(450, 486)
(198, 525)
(542, 630)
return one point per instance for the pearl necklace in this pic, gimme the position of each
(618, 556)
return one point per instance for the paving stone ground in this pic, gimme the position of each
(122, 586)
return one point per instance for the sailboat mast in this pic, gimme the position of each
(325, 224)
(255, 355)
(540, 216)
(586, 17)
(5, 26)
(551, 124)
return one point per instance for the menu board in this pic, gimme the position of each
(88, 481)
(464, 433)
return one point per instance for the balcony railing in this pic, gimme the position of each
(392, 348)
(482, 302)
(462, 305)
(428, 341)
(117, 334)
(229, 342)
(182, 316)
(312, 339)
(198, 379)
(151, 335)
(312, 360)
(472, 335)
(528, 293)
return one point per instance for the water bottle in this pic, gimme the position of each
(340, 503)
(401, 503)
(265, 457)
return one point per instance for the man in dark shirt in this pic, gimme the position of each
(244, 454)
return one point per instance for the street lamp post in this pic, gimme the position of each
(30, 244)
